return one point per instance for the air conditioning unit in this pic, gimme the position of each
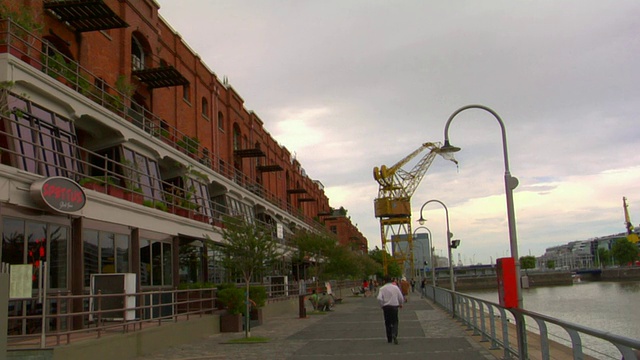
(123, 306)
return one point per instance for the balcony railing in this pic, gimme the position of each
(41, 55)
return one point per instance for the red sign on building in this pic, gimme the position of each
(58, 193)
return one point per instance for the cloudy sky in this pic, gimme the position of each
(348, 85)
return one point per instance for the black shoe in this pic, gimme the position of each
(395, 340)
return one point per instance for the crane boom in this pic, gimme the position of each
(393, 204)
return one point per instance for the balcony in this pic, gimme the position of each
(30, 49)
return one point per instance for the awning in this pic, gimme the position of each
(269, 168)
(85, 15)
(249, 153)
(164, 76)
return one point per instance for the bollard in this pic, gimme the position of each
(303, 310)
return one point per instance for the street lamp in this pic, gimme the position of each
(449, 236)
(510, 183)
(431, 260)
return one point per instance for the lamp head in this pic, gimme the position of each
(448, 148)
(421, 221)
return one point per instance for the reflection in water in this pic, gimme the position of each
(606, 306)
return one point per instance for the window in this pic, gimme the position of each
(155, 263)
(185, 92)
(104, 253)
(32, 242)
(333, 229)
(45, 143)
(205, 107)
(220, 121)
(137, 55)
(141, 173)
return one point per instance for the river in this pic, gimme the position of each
(607, 306)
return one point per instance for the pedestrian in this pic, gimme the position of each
(404, 287)
(413, 285)
(423, 288)
(390, 299)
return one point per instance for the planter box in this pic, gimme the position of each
(94, 187)
(256, 314)
(115, 191)
(134, 197)
(231, 323)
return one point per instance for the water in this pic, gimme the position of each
(606, 306)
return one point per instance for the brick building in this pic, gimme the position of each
(106, 95)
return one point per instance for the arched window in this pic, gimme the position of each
(205, 107)
(137, 54)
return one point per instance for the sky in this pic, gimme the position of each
(348, 85)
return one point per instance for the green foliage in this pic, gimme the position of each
(233, 299)
(248, 248)
(147, 203)
(259, 295)
(160, 205)
(315, 248)
(527, 262)
(125, 87)
(22, 16)
(604, 257)
(551, 264)
(624, 251)
(189, 144)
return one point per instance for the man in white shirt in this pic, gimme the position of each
(390, 299)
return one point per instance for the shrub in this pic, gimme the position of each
(233, 300)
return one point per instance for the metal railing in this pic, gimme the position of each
(153, 308)
(41, 55)
(498, 325)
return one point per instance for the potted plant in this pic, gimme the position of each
(93, 183)
(233, 300)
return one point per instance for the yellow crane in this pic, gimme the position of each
(631, 234)
(393, 204)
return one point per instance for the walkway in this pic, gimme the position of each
(353, 330)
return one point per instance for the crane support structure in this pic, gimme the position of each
(393, 205)
(632, 236)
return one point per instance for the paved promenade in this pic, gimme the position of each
(353, 330)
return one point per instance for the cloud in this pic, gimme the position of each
(352, 85)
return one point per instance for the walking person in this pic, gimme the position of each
(423, 288)
(390, 299)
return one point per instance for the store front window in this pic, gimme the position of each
(105, 252)
(33, 242)
(155, 263)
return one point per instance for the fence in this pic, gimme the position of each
(63, 325)
(499, 325)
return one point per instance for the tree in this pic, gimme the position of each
(248, 249)
(393, 268)
(551, 264)
(315, 248)
(624, 251)
(528, 262)
(604, 257)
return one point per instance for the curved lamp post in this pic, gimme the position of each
(510, 183)
(449, 235)
(431, 260)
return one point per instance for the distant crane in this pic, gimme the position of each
(393, 204)
(631, 234)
